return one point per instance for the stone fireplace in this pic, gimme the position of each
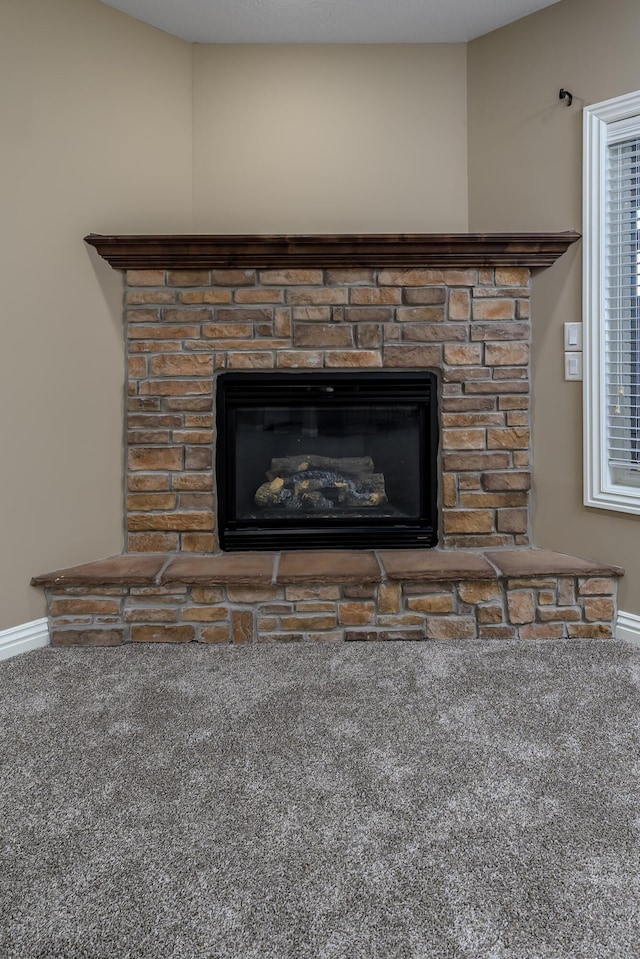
(208, 319)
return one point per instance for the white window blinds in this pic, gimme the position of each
(622, 310)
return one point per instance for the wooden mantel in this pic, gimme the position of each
(404, 250)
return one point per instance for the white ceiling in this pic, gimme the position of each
(328, 21)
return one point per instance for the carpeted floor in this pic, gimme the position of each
(405, 801)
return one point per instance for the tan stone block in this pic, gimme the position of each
(322, 334)
(531, 582)
(141, 331)
(517, 419)
(151, 614)
(420, 314)
(508, 439)
(596, 585)
(295, 593)
(300, 359)
(204, 614)
(591, 631)
(547, 597)
(193, 436)
(215, 634)
(487, 309)
(500, 631)
(462, 404)
(401, 619)
(462, 355)
(596, 610)
(456, 420)
(188, 521)
(154, 421)
(477, 541)
(192, 481)
(431, 332)
(500, 331)
(312, 314)
(145, 277)
(227, 331)
(252, 594)
(359, 591)
(559, 614)
(492, 613)
(148, 437)
(198, 542)
(357, 359)
(459, 304)
(521, 606)
(282, 322)
(460, 277)
(152, 542)
(137, 367)
(275, 609)
(468, 481)
(369, 314)
(349, 276)
(425, 296)
(144, 458)
(390, 598)
(86, 607)
(412, 356)
(309, 622)
(435, 603)
(376, 634)
(512, 275)
(507, 354)
(542, 631)
(478, 591)
(213, 297)
(233, 278)
(464, 439)
(315, 607)
(317, 296)
(512, 520)
(142, 297)
(177, 364)
(566, 591)
(513, 402)
(521, 458)
(468, 521)
(451, 627)
(375, 296)
(356, 613)
(148, 501)
(160, 633)
(207, 594)
(449, 490)
(242, 626)
(483, 499)
(251, 360)
(410, 277)
(368, 335)
(290, 277)
(510, 480)
(280, 637)
(176, 387)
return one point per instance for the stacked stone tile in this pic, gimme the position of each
(469, 325)
(332, 596)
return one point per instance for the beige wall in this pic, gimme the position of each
(525, 150)
(95, 115)
(323, 139)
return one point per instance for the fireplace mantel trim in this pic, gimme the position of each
(399, 250)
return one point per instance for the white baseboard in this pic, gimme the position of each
(628, 627)
(21, 639)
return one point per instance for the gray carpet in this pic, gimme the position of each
(337, 802)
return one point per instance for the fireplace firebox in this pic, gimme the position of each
(320, 459)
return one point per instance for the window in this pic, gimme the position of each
(611, 270)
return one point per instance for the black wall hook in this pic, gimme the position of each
(565, 95)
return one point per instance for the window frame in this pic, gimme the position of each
(603, 123)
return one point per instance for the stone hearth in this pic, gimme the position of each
(454, 305)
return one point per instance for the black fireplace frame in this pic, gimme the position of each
(326, 388)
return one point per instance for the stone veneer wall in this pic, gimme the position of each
(471, 326)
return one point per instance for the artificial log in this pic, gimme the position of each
(355, 466)
(315, 489)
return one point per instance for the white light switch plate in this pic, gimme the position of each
(573, 366)
(573, 336)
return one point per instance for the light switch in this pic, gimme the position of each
(573, 366)
(573, 336)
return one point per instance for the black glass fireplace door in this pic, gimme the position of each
(326, 460)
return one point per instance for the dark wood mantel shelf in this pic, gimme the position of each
(403, 250)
